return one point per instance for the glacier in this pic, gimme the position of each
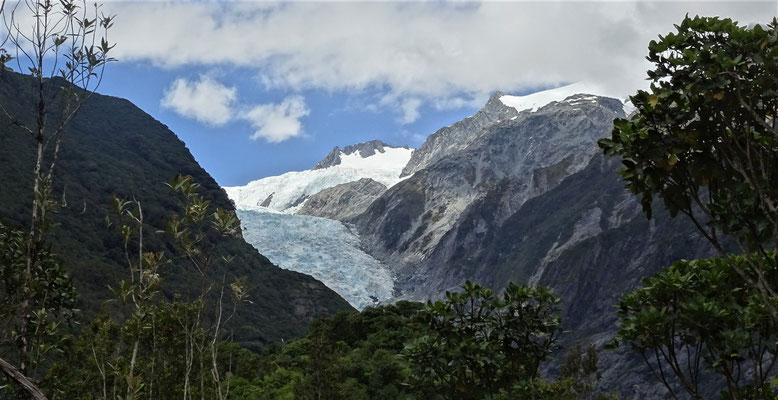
(327, 249)
(288, 192)
(320, 247)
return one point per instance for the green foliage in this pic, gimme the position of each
(349, 356)
(699, 316)
(382, 353)
(96, 365)
(51, 301)
(579, 369)
(471, 345)
(176, 337)
(113, 148)
(705, 134)
(196, 229)
(705, 140)
(479, 344)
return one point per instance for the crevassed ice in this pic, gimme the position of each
(322, 248)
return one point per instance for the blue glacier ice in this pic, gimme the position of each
(320, 247)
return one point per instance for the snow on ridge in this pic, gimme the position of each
(389, 159)
(535, 101)
(290, 190)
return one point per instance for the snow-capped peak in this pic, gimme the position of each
(288, 192)
(535, 101)
(390, 159)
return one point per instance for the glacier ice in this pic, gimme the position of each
(320, 247)
(290, 190)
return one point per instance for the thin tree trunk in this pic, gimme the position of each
(32, 255)
(131, 378)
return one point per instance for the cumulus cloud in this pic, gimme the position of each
(410, 110)
(444, 54)
(277, 122)
(205, 100)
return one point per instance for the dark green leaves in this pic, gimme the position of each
(704, 312)
(479, 344)
(702, 137)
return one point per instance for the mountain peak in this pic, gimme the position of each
(495, 96)
(365, 149)
(459, 134)
(537, 100)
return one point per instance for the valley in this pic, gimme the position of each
(515, 193)
(334, 200)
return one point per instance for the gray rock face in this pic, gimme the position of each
(343, 201)
(458, 136)
(267, 201)
(365, 149)
(530, 200)
(530, 153)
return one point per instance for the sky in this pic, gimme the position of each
(261, 88)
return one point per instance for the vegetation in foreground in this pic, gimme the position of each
(703, 140)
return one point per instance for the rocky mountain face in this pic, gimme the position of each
(459, 135)
(528, 198)
(344, 201)
(526, 154)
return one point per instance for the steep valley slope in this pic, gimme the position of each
(113, 147)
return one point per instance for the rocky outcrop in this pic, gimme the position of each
(459, 135)
(365, 150)
(528, 155)
(343, 201)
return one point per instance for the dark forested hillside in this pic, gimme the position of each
(113, 147)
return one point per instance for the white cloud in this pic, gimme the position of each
(205, 100)
(410, 110)
(277, 122)
(440, 53)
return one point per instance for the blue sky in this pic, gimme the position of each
(261, 88)
(229, 153)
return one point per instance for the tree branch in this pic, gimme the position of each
(26, 383)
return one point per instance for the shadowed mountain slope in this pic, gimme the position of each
(113, 147)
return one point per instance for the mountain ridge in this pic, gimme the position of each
(113, 147)
(532, 200)
(290, 191)
(365, 149)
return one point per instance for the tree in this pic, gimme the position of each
(146, 345)
(699, 316)
(65, 52)
(51, 300)
(580, 367)
(705, 139)
(479, 345)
